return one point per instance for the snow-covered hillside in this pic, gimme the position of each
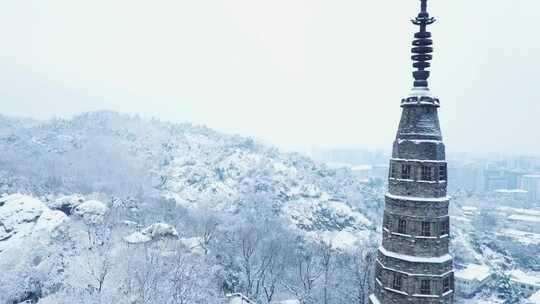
(121, 155)
(101, 186)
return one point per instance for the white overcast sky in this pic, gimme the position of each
(299, 74)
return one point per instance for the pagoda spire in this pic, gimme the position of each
(413, 263)
(422, 47)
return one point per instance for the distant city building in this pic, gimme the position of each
(525, 222)
(472, 278)
(347, 157)
(501, 178)
(531, 183)
(380, 171)
(461, 219)
(512, 194)
(487, 175)
(413, 263)
(524, 163)
(527, 282)
(522, 237)
(511, 210)
(362, 172)
(494, 179)
(469, 211)
(468, 177)
(368, 172)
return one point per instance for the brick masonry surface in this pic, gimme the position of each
(413, 265)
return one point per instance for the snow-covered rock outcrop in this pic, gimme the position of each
(28, 230)
(92, 212)
(66, 203)
(153, 232)
(23, 216)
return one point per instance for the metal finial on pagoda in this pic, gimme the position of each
(422, 46)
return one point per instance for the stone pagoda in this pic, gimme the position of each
(413, 264)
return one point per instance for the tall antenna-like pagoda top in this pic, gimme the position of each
(422, 48)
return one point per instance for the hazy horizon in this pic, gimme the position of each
(296, 74)
(308, 150)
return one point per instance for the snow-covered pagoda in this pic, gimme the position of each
(413, 264)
